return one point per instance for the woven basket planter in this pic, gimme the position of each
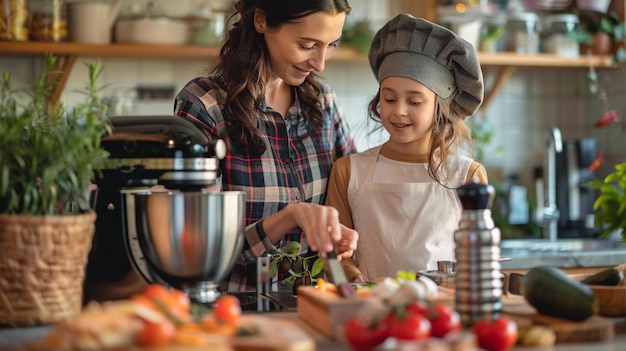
(42, 267)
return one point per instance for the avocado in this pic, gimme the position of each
(607, 277)
(552, 292)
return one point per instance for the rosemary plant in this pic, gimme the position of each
(47, 151)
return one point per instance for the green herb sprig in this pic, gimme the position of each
(288, 260)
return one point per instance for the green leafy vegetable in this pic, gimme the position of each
(610, 206)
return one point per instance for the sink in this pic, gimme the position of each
(519, 246)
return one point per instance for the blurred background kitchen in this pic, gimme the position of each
(584, 99)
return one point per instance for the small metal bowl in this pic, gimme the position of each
(448, 267)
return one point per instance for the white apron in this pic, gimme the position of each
(405, 219)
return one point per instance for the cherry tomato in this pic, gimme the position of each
(410, 326)
(418, 307)
(362, 337)
(143, 299)
(499, 334)
(153, 291)
(154, 334)
(180, 299)
(443, 320)
(227, 309)
(175, 303)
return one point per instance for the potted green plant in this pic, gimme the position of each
(297, 269)
(358, 36)
(602, 34)
(47, 158)
(610, 206)
(595, 35)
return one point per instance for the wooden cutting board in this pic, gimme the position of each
(593, 329)
(275, 334)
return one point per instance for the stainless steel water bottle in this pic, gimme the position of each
(478, 280)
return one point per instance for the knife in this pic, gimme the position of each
(516, 282)
(338, 275)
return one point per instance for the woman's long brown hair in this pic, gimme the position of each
(244, 66)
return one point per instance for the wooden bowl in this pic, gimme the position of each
(611, 299)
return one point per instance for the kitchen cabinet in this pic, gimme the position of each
(68, 52)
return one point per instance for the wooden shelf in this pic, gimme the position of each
(541, 60)
(508, 62)
(189, 52)
(193, 52)
(68, 53)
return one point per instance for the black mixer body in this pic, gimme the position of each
(144, 152)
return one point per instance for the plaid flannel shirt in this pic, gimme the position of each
(294, 167)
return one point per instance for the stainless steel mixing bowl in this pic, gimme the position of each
(191, 240)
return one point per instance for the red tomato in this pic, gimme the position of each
(153, 291)
(418, 307)
(175, 302)
(180, 299)
(443, 320)
(499, 334)
(410, 326)
(143, 299)
(361, 337)
(227, 309)
(156, 334)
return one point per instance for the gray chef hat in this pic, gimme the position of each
(433, 55)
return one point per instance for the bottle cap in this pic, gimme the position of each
(476, 196)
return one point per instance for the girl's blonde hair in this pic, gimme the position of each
(450, 135)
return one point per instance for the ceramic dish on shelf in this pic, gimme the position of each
(548, 4)
(151, 30)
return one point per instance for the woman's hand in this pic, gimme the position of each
(323, 230)
(320, 224)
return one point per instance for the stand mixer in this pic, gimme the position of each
(160, 210)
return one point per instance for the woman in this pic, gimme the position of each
(282, 124)
(401, 196)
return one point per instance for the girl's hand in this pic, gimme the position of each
(347, 244)
(358, 279)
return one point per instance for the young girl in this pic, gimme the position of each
(401, 196)
(282, 123)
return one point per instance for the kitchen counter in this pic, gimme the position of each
(576, 253)
(13, 339)
(565, 259)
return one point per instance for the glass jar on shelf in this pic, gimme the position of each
(207, 26)
(14, 20)
(522, 33)
(48, 20)
(558, 36)
(492, 33)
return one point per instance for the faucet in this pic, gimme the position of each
(550, 213)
